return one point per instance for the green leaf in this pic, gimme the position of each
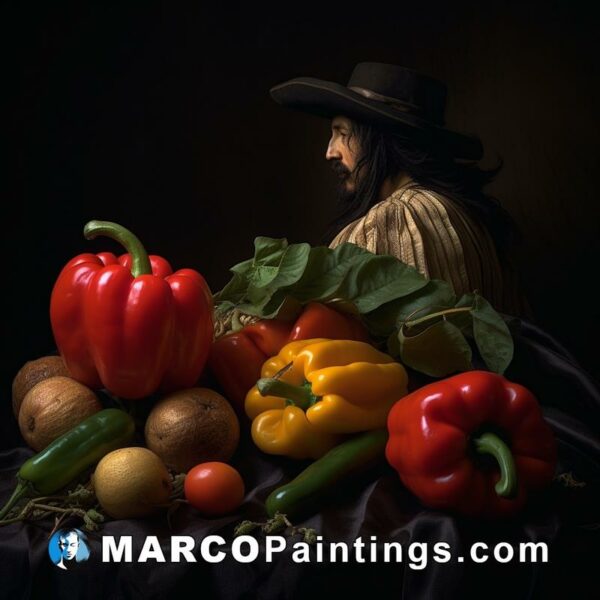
(243, 267)
(234, 291)
(280, 278)
(280, 305)
(268, 251)
(492, 336)
(325, 271)
(292, 265)
(258, 295)
(379, 280)
(393, 345)
(270, 309)
(224, 307)
(265, 280)
(262, 275)
(254, 273)
(438, 351)
(464, 321)
(436, 295)
(255, 301)
(466, 300)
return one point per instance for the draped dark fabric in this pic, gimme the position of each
(565, 516)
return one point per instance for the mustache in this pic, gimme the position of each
(340, 169)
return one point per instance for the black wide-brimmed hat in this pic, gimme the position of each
(386, 96)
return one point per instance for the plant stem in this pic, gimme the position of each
(50, 508)
(441, 313)
(490, 443)
(300, 396)
(39, 504)
(236, 324)
(21, 490)
(140, 262)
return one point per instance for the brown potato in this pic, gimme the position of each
(31, 373)
(192, 426)
(53, 407)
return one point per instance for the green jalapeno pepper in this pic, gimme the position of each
(70, 454)
(303, 494)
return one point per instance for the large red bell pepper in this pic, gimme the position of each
(236, 359)
(130, 324)
(474, 443)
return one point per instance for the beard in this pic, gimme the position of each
(345, 191)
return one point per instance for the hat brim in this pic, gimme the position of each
(329, 99)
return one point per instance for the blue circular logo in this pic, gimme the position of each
(68, 547)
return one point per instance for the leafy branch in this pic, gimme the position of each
(383, 292)
(81, 502)
(277, 524)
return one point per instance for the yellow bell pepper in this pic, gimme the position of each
(314, 391)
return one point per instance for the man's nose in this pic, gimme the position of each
(332, 152)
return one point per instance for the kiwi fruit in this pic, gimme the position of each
(52, 407)
(31, 373)
(192, 426)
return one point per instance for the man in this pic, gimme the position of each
(68, 544)
(409, 186)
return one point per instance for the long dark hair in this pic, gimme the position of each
(384, 154)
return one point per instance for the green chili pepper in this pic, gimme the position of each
(304, 493)
(70, 454)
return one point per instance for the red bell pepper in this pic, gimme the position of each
(130, 324)
(474, 443)
(320, 321)
(236, 358)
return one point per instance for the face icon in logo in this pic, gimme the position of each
(67, 548)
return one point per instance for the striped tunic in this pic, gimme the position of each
(442, 241)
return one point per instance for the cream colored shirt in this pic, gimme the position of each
(442, 241)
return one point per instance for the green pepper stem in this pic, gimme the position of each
(300, 396)
(21, 490)
(490, 443)
(140, 263)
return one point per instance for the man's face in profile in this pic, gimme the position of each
(69, 545)
(342, 154)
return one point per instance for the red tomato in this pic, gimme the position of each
(214, 488)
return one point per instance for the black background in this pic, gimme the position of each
(158, 117)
